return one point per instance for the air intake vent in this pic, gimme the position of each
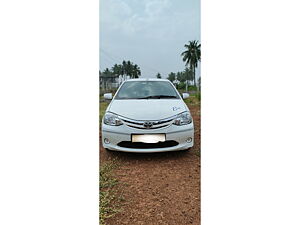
(140, 145)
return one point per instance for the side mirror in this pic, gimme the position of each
(108, 96)
(185, 95)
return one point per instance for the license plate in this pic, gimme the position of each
(148, 138)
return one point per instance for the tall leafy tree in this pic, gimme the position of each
(129, 68)
(188, 74)
(136, 71)
(124, 68)
(181, 77)
(117, 70)
(191, 56)
(107, 77)
(172, 76)
(106, 73)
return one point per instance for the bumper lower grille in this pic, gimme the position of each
(140, 145)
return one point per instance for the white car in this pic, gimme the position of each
(147, 115)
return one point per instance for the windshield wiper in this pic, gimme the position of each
(158, 96)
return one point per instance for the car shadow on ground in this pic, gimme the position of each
(128, 156)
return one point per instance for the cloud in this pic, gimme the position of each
(156, 7)
(134, 18)
(151, 33)
(113, 13)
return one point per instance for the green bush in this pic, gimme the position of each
(198, 95)
(192, 88)
(103, 106)
(181, 85)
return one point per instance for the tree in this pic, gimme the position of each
(188, 74)
(129, 68)
(106, 73)
(181, 77)
(136, 71)
(158, 76)
(199, 82)
(117, 70)
(171, 77)
(100, 81)
(191, 56)
(124, 68)
(107, 77)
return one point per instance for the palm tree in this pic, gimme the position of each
(107, 77)
(181, 77)
(136, 71)
(129, 68)
(192, 55)
(106, 73)
(171, 77)
(188, 74)
(124, 69)
(116, 69)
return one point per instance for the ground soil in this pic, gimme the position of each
(159, 188)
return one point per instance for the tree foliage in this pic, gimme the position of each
(188, 74)
(106, 73)
(181, 76)
(172, 77)
(191, 56)
(126, 68)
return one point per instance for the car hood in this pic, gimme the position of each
(147, 109)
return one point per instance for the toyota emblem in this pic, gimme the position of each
(148, 124)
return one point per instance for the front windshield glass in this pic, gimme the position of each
(147, 90)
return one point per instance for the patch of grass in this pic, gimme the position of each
(108, 200)
(192, 100)
(103, 106)
(106, 180)
(198, 95)
(192, 88)
(198, 152)
(182, 88)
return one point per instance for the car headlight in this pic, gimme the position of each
(111, 119)
(183, 119)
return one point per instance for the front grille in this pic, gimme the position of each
(140, 124)
(140, 145)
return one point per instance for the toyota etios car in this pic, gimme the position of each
(147, 115)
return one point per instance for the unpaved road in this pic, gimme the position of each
(161, 188)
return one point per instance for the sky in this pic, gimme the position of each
(149, 33)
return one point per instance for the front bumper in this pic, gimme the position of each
(117, 134)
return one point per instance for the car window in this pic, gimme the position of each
(146, 89)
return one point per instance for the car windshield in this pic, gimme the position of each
(147, 90)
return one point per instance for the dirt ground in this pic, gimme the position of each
(160, 188)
